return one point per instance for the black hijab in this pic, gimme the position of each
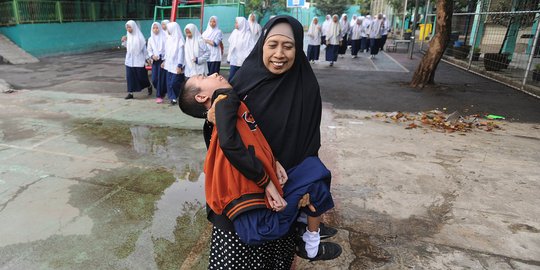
(287, 107)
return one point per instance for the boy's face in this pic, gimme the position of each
(208, 85)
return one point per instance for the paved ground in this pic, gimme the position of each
(89, 180)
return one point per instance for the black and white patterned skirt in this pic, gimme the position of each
(229, 252)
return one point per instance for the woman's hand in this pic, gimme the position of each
(281, 174)
(211, 114)
(276, 201)
(123, 39)
(155, 57)
(305, 202)
(163, 65)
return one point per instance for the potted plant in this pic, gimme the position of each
(496, 61)
(536, 73)
(407, 35)
(476, 54)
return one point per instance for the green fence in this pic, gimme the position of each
(34, 11)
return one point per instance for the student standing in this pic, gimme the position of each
(174, 61)
(333, 40)
(344, 23)
(196, 52)
(136, 74)
(240, 45)
(314, 40)
(213, 37)
(356, 36)
(156, 52)
(375, 34)
(254, 27)
(164, 25)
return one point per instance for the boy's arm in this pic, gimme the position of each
(230, 142)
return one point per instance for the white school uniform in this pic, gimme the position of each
(216, 36)
(174, 48)
(196, 53)
(254, 27)
(135, 46)
(156, 42)
(333, 34)
(314, 34)
(240, 43)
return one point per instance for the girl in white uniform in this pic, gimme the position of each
(240, 45)
(196, 52)
(136, 74)
(213, 37)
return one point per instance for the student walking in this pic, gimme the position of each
(333, 40)
(174, 61)
(136, 74)
(213, 38)
(196, 52)
(240, 45)
(254, 27)
(314, 40)
(156, 52)
(365, 37)
(385, 30)
(356, 37)
(344, 23)
(324, 28)
(375, 34)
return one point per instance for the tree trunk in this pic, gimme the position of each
(425, 73)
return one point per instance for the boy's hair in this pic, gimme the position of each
(187, 101)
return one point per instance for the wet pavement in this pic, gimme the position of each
(89, 180)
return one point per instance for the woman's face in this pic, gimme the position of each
(315, 21)
(335, 18)
(212, 22)
(155, 29)
(188, 33)
(252, 18)
(278, 54)
(128, 28)
(235, 24)
(164, 26)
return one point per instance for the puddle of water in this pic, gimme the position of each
(149, 214)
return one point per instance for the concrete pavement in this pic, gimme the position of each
(89, 180)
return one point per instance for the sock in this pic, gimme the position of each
(312, 239)
(302, 218)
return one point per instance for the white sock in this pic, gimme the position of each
(312, 239)
(302, 218)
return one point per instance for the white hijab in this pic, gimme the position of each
(241, 41)
(254, 26)
(314, 29)
(165, 22)
(334, 29)
(135, 40)
(157, 41)
(211, 33)
(344, 24)
(326, 23)
(356, 29)
(175, 42)
(191, 48)
(353, 20)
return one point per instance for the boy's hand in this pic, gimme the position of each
(281, 174)
(305, 202)
(276, 201)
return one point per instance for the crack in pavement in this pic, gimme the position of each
(19, 192)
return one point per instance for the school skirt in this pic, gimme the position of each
(137, 79)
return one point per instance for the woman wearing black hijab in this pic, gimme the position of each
(283, 95)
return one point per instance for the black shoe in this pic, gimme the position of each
(173, 102)
(325, 230)
(150, 90)
(327, 251)
(129, 96)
